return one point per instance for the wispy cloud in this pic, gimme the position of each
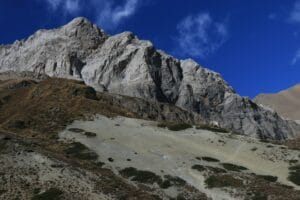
(200, 36)
(70, 6)
(53, 3)
(296, 58)
(295, 13)
(272, 16)
(107, 13)
(295, 18)
(110, 14)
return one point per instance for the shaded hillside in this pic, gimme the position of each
(50, 104)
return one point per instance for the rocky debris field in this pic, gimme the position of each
(220, 164)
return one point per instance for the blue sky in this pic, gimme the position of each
(254, 44)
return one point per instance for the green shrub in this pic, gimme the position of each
(100, 164)
(166, 184)
(294, 175)
(254, 149)
(219, 181)
(198, 158)
(2, 192)
(180, 197)
(216, 169)
(210, 159)
(51, 194)
(76, 130)
(202, 168)
(2, 146)
(268, 178)
(90, 134)
(295, 167)
(80, 151)
(175, 180)
(233, 167)
(212, 128)
(87, 156)
(128, 172)
(259, 196)
(162, 125)
(141, 176)
(175, 126)
(293, 161)
(179, 127)
(18, 124)
(199, 168)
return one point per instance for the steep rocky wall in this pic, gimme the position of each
(123, 64)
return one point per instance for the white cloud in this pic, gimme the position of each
(70, 6)
(295, 17)
(54, 4)
(272, 16)
(110, 15)
(296, 58)
(295, 13)
(200, 35)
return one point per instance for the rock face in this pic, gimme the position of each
(123, 64)
(286, 102)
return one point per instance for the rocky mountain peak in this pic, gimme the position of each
(123, 64)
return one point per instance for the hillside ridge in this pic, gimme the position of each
(123, 64)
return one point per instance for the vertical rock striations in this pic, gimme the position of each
(123, 64)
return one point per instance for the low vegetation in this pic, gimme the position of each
(2, 146)
(210, 159)
(141, 176)
(199, 168)
(293, 161)
(51, 194)
(170, 181)
(202, 168)
(175, 126)
(80, 151)
(216, 170)
(268, 178)
(233, 167)
(148, 177)
(90, 134)
(86, 133)
(212, 128)
(76, 130)
(219, 181)
(254, 149)
(2, 192)
(294, 175)
(259, 196)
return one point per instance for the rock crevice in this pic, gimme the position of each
(123, 64)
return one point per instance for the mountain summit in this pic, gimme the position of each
(123, 64)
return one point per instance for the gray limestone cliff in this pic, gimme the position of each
(123, 64)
